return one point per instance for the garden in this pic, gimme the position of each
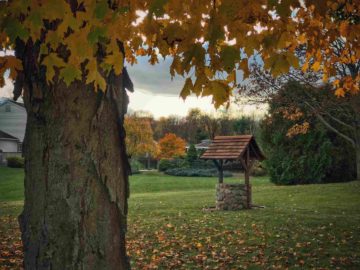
(300, 227)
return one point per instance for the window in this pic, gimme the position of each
(20, 147)
(7, 108)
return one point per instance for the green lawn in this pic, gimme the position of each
(301, 227)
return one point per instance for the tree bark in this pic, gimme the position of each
(357, 153)
(76, 178)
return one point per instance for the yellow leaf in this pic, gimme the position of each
(316, 66)
(186, 91)
(325, 77)
(344, 28)
(208, 72)
(201, 82)
(278, 64)
(12, 63)
(94, 76)
(305, 67)
(340, 92)
(69, 74)
(229, 56)
(284, 40)
(302, 39)
(51, 61)
(292, 59)
(220, 91)
(115, 60)
(176, 66)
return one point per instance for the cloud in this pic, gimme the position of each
(7, 90)
(165, 105)
(155, 79)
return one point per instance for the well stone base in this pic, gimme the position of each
(232, 197)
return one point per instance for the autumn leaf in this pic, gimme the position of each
(316, 66)
(339, 92)
(186, 90)
(219, 90)
(229, 56)
(70, 74)
(51, 61)
(171, 146)
(115, 61)
(344, 28)
(94, 77)
(12, 63)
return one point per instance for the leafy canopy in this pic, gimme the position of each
(139, 136)
(208, 41)
(171, 146)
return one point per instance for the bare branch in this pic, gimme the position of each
(330, 127)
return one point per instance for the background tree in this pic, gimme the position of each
(194, 130)
(68, 65)
(191, 154)
(171, 146)
(139, 136)
(171, 124)
(339, 115)
(299, 149)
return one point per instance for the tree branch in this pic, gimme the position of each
(330, 127)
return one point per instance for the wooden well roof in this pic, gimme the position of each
(232, 148)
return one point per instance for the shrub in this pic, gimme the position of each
(15, 162)
(191, 155)
(136, 166)
(195, 172)
(315, 155)
(203, 164)
(165, 164)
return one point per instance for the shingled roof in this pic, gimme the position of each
(232, 148)
(4, 135)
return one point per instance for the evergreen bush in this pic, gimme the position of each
(15, 162)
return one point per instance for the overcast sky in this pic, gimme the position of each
(156, 93)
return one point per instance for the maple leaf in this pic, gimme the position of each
(188, 87)
(339, 92)
(50, 61)
(70, 73)
(94, 77)
(229, 56)
(316, 66)
(115, 59)
(13, 63)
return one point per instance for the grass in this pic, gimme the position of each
(11, 184)
(301, 227)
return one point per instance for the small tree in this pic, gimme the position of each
(139, 139)
(171, 146)
(191, 154)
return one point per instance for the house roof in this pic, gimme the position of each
(232, 148)
(204, 144)
(3, 101)
(4, 135)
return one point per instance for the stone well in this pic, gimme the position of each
(231, 196)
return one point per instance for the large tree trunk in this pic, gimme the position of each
(357, 153)
(76, 174)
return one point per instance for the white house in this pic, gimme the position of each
(12, 128)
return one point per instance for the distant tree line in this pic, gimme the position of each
(197, 126)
